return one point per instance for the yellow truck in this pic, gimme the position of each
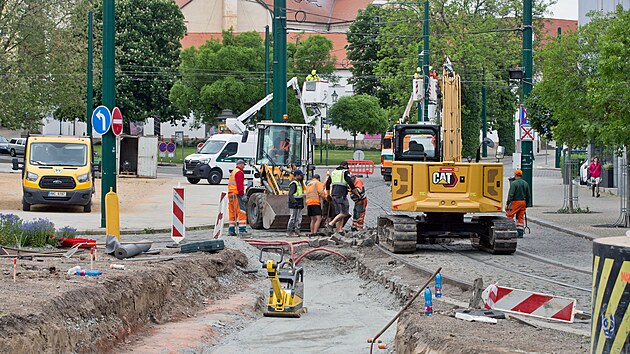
(57, 170)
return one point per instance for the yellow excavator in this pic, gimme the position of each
(430, 179)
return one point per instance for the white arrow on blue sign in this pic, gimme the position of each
(101, 120)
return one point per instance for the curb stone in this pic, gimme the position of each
(561, 228)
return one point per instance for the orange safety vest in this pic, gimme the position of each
(358, 184)
(314, 191)
(284, 146)
(232, 188)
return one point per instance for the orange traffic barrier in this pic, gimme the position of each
(361, 167)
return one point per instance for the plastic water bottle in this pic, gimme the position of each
(88, 273)
(438, 285)
(428, 302)
(74, 270)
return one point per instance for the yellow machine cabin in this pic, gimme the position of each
(429, 178)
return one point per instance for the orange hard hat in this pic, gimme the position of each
(518, 173)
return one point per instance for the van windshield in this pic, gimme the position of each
(58, 154)
(211, 147)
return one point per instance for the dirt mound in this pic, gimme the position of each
(94, 314)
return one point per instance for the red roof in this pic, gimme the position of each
(338, 39)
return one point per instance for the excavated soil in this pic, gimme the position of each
(47, 311)
(442, 332)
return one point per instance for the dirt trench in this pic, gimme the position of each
(102, 312)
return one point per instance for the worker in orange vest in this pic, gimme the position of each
(236, 200)
(315, 196)
(360, 204)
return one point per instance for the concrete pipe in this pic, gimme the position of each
(610, 323)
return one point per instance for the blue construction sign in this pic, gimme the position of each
(101, 120)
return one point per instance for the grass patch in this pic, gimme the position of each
(336, 156)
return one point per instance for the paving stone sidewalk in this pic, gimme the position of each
(548, 197)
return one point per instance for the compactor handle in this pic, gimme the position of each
(268, 249)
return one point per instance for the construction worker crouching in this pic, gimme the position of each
(296, 203)
(315, 196)
(360, 204)
(340, 180)
(313, 76)
(236, 200)
(518, 198)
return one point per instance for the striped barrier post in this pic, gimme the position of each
(178, 229)
(529, 303)
(610, 321)
(218, 225)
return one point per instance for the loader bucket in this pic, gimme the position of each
(275, 213)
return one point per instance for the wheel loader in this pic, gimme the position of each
(281, 149)
(430, 179)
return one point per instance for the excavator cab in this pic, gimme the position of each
(281, 149)
(417, 142)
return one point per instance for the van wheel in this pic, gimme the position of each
(215, 176)
(88, 207)
(25, 206)
(193, 180)
(12, 153)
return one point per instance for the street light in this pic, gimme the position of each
(334, 96)
(516, 73)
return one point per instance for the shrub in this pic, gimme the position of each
(36, 233)
(9, 228)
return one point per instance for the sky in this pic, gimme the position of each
(565, 9)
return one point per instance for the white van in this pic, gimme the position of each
(216, 159)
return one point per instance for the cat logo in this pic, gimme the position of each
(447, 179)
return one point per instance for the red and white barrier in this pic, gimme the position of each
(178, 230)
(218, 225)
(361, 167)
(529, 303)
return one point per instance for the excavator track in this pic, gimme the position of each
(398, 233)
(500, 236)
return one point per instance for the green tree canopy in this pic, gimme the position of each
(359, 114)
(477, 35)
(148, 34)
(314, 53)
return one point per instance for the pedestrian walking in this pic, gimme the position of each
(315, 195)
(518, 198)
(337, 185)
(360, 200)
(296, 203)
(595, 174)
(236, 199)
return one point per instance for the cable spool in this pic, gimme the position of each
(610, 324)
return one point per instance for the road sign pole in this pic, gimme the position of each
(484, 148)
(267, 72)
(108, 179)
(527, 154)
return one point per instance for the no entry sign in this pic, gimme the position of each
(117, 121)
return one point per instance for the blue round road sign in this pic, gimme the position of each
(170, 147)
(101, 120)
(162, 147)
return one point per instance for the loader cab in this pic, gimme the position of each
(281, 144)
(417, 142)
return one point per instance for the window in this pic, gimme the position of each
(387, 143)
(417, 143)
(279, 145)
(230, 150)
(212, 147)
(58, 154)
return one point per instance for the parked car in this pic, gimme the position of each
(16, 146)
(4, 145)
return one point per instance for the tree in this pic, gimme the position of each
(363, 50)
(40, 60)
(148, 34)
(359, 114)
(314, 54)
(476, 35)
(230, 75)
(220, 75)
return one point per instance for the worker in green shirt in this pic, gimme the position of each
(518, 198)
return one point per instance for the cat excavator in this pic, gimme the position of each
(430, 179)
